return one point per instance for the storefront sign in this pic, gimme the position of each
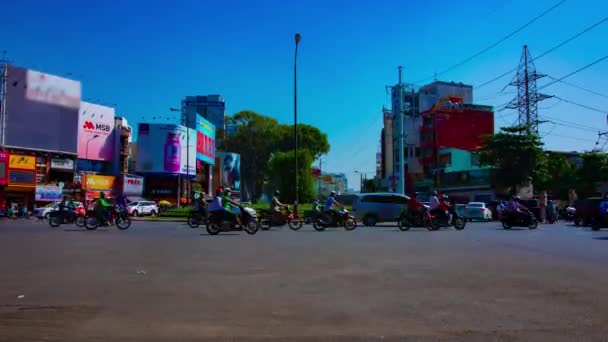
(62, 164)
(90, 195)
(21, 162)
(4, 159)
(21, 178)
(95, 132)
(48, 193)
(97, 182)
(133, 186)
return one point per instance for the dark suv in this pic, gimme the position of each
(586, 210)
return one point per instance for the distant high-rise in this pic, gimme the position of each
(211, 107)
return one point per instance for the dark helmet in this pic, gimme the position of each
(333, 193)
(102, 195)
(434, 193)
(277, 193)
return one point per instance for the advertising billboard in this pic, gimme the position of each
(98, 182)
(230, 166)
(48, 193)
(22, 162)
(132, 185)
(95, 132)
(4, 160)
(41, 111)
(205, 140)
(164, 148)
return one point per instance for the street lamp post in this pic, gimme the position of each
(295, 116)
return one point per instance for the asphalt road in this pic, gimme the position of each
(167, 282)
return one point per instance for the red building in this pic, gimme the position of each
(452, 124)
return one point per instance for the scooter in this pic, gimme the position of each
(118, 216)
(442, 220)
(248, 217)
(343, 218)
(196, 218)
(270, 219)
(423, 219)
(519, 219)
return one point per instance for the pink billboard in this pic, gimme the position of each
(95, 132)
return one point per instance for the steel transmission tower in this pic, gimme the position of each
(527, 98)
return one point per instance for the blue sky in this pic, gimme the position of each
(144, 56)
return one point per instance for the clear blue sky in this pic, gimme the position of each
(145, 56)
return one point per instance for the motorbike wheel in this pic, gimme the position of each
(266, 223)
(429, 225)
(318, 226)
(506, 224)
(193, 222)
(350, 224)
(80, 221)
(295, 224)
(533, 224)
(404, 224)
(54, 221)
(459, 223)
(91, 223)
(251, 227)
(595, 225)
(213, 228)
(123, 223)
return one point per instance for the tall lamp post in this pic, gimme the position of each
(295, 116)
(184, 121)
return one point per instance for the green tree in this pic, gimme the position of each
(370, 185)
(560, 175)
(281, 175)
(593, 171)
(517, 157)
(255, 139)
(309, 138)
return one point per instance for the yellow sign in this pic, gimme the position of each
(96, 182)
(22, 162)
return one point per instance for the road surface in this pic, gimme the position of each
(167, 282)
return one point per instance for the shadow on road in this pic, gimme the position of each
(222, 234)
(85, 230)
(601, 238)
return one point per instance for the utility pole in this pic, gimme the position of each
(295, 117)
(320, 175)
(400, 184)
(527, 98)
(3, 91)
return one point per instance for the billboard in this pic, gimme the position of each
(205, 140)
(48, 193)
(132, 185)
(166, 148)
(230, 164)
(42, 111)
(22, 162)
(98, 182)
(4, 161)
(95, 132)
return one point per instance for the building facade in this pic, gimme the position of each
(210, 107)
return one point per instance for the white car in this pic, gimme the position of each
(43, 212)
(141, 208)
(477, 211)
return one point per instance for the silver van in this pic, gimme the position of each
(378, 207)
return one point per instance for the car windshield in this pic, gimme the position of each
(475, 205)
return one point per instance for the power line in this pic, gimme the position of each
(570, 124)
(497, 42)
(578, 87)
(582, 105)
(573, 73)
(569, 137)
(546, 52)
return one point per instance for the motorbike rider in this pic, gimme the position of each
(444, 207)
(102, 209)
(414, 207)
(515, 208)
(215, 207)
(276, 205)
(231, 208)
(329, 207)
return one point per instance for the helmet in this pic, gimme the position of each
(441, 196)
(102, 194)
(333, 193)
(434, 193)
(277, 192)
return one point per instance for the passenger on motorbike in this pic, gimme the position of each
(515, 208)
(276, 206)
(444, 208)
(228, 206)
(329, 207)
(215, 207)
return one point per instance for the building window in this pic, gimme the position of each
(417, 152)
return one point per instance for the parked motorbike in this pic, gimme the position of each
(424, 219)
(520, 219)
(216, 222)
(118, 216)
(270, 219)
(343, 218)
(440, 220)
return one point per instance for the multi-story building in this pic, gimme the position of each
(329, 182)
(210, 107)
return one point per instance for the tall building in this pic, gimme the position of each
(210, 107)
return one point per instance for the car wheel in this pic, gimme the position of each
(46, 216)
(370, 220)
(153, 213)
(134, 213)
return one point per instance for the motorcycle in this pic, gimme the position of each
(522, 219)
(118, 216)
(217, 224)
(68, 216)
(196, 218)
(440, 220)
(288, 217)
(424, 219)
(314, 214)
(343, 218)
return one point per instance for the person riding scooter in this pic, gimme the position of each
(276, 206)
(331, 215)
(515, 209)
(102, 209)
(414, 206)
